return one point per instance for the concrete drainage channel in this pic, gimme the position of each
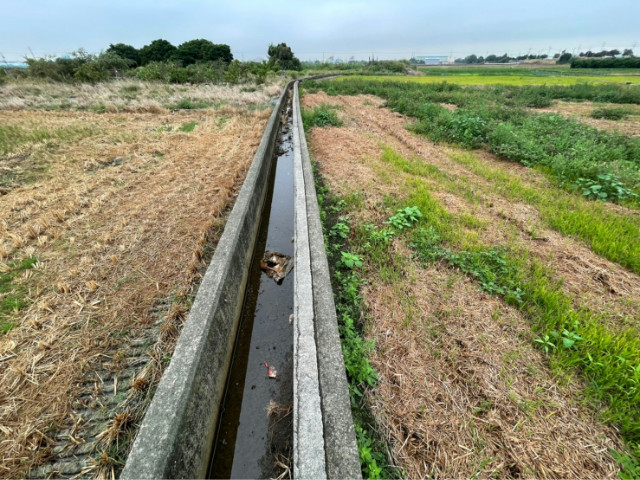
(224, 345)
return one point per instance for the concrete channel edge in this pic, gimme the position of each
(341, 458)
(175, 439)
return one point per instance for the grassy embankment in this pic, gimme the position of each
(598, 164)
(577, 340)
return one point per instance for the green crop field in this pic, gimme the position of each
(465, 78)
(527, 71)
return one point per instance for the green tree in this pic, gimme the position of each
(157, 51)
(125, 51)
(471, 59)
(236, 73)
(222, 52)
(627, 52)
(282, 57)
(564, 58)
(202, 50)
(101, 68)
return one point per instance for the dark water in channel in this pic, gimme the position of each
(248, 437)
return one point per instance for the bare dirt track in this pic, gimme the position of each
(462, 391)
(121, 214)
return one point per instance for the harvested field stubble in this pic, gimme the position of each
(462, 390)
(121, 221)
(131, 96)
(465, 394)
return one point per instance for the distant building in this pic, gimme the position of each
(432, 59)
(14, 65)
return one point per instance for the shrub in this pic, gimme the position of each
(90, 73)
(564, 58)
(467, 129)
(321, 116)
(236, 73)
(125, 51)
(178, 75)
(604, 187)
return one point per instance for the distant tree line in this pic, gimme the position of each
(627, 52)
(610, 62)
(194, 61)
(611, 57)
(474, 59)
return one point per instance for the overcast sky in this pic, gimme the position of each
(313, 28)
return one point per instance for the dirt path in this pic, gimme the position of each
(462, 390)
(120, 220)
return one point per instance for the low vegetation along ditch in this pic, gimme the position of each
(487, 284)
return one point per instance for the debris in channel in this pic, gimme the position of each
(271, 371)
(276, 265)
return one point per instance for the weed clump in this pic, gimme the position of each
(321, 116)
(612, 113)
(13, 295)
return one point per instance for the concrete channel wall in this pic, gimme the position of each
(324, 436)
(176, 436)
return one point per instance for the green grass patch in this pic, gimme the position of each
(347, 266)
(13, 136)
(613, 235)
(526, 71)
(188, 127)
(602, 165)
(321, 116)
(13, 296)
(189, 104)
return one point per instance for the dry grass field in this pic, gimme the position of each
(110, 207)
(462, 391)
